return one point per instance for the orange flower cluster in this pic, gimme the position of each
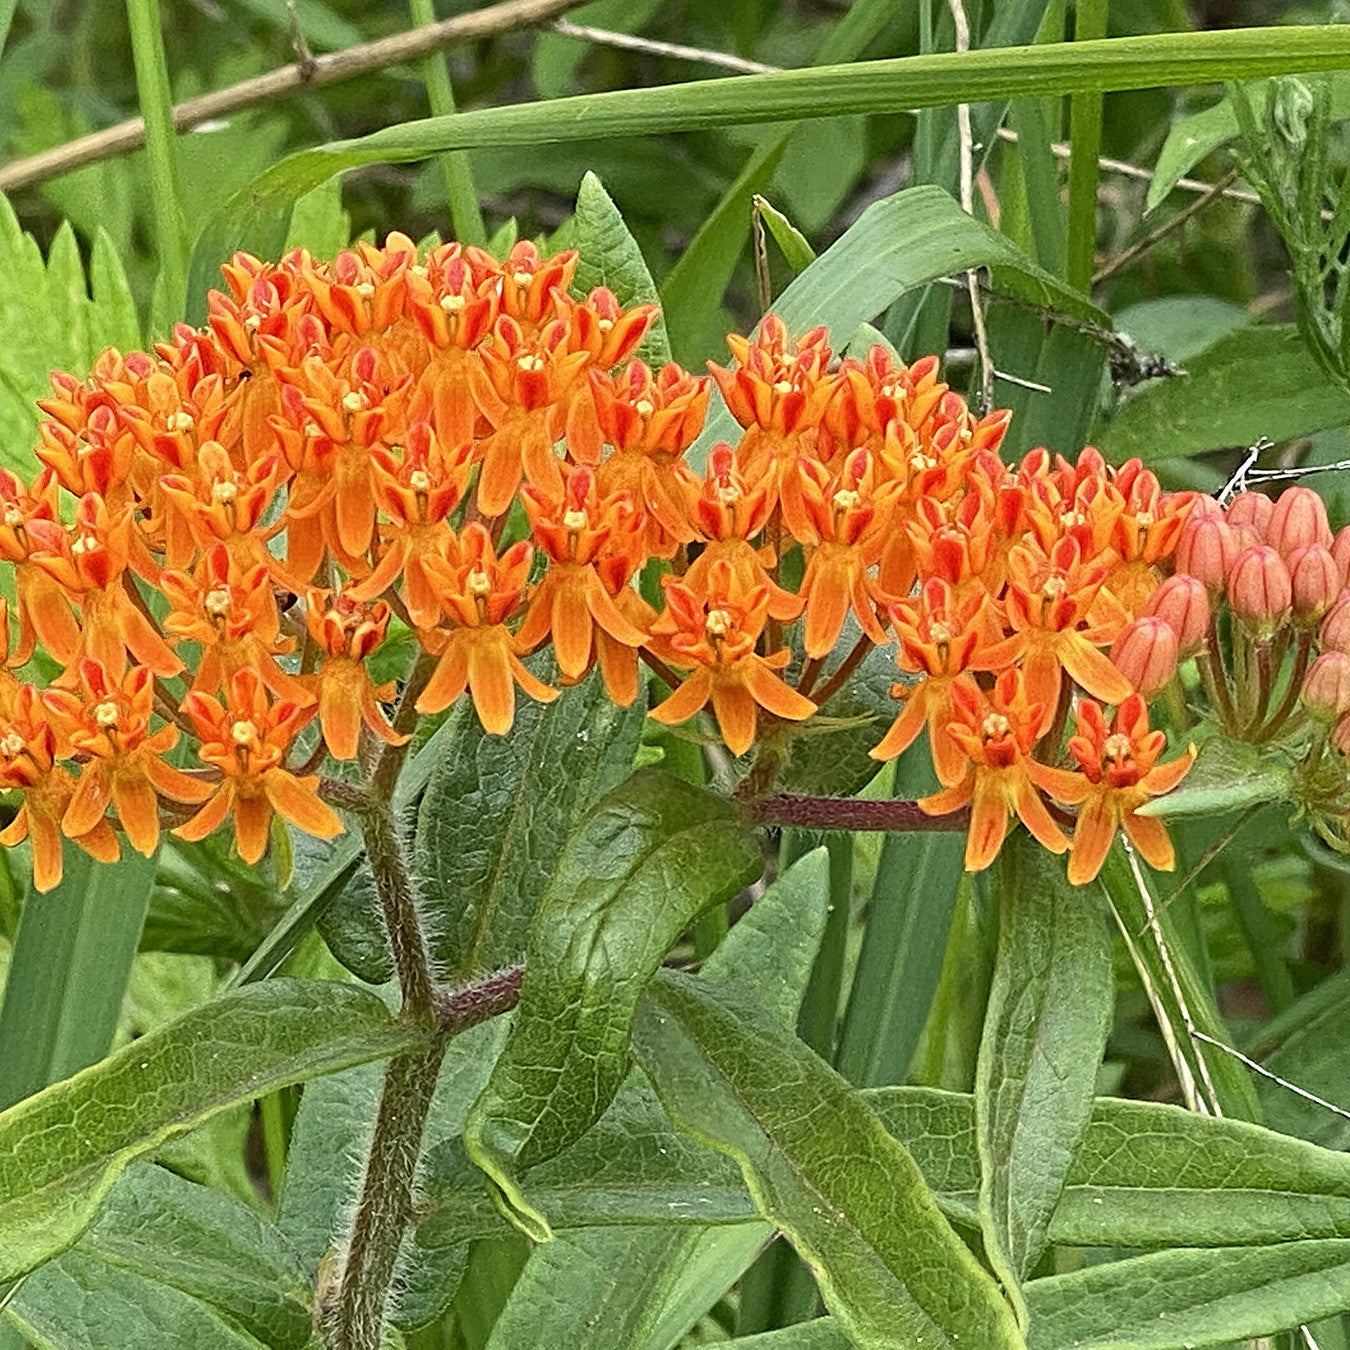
(465, 448)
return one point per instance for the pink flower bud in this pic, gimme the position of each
(1315, 580)
(1204, 508)
(1259, 589)
(1184, 603)
(1335, 634)
(1340, 735)
(1251, 510)
(1145, 653)
(1299, 518)
(1326, 687)
(1340, 550)
(1207, 550)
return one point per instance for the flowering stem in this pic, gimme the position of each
(849, 664)
(848, 813)
(353, 1313)
(1215, 676)
(659, 668)
(1287, 704)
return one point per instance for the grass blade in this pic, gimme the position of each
(1085, 140)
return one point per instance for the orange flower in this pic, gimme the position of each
(996, 733)
(27, 762)
(941, 638)
(108, 724)
(840, 517)
(1062, 617)
(347, 634)
(480, 592)
(247, 738)
(417, 494)
(1120, 772)
(571, 600)
(230, 612)
(713, 634)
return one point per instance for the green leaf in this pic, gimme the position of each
(319, 223)
(679, 1272)
(1045, 1028)
(497, 813)
(62, 328)
(68, 974)
(1191, 139)
(1257, 381)
(1190, 1297)
(62, 1149)
(182, 1259)
(1227, 776)
(1312, 1049)
(652, 856)
(823, 1333)
(937, 80)
(898, 245)
(792, 243)
(1177, 976)
(821, 1167)
(610, 257)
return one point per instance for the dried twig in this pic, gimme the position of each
(314, 73)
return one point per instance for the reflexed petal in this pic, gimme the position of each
(138, 810)
(1149, 836)
(448, 679)
(535, 688)
(1092, 838)
(252, 822)
(340, 710)
(171, 782)
(906, 727)
(736, 713)
(210, 817)
(949, 799)
(1034, 815)
(988, 826)
(572, 627)
(89, 804)
(773, 694)
(1061, 784)
(1093, 671)
(297, 800)
(45, 841)
(491, 686)
(685, 701)
(1164, 777)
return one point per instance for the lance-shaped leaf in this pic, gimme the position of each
(174, 1265)
(651, 857)
(821, 1166)
(497, 812)
(1191, 1297)
(1045, 1028)
(644, 1287)
(1227, 776)
(62, 1149)
(610, 257)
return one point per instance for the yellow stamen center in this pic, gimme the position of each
(479, 582)
(643, 407)
(574, 520)
(217, 602)
(353, 401)
(1118, 749)
(604, 325)
(530, 362)
(419, 480)
(12, 745)
(223, 490)
(783, 387)
(13, 516)
(718, 623)
(253, 322)
(995, 727)
(846, 499)
(244, 734)
(1054, 587)
(940, 632)
(86, 543)
(106, 715)
(452, 304)
(365, 288)
(522, 278)
(180, 421)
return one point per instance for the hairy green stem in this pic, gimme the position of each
(353, 1314)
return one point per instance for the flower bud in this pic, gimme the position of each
(1340, 550)
(1207, 550)
(1299, 518)
(1251, 511)
(1315, 580)
(1340, 735)
(1259, 589)
(1183, 601)
(1326, 687)
(1203, 507)
(1145, 653)
(1335, 634)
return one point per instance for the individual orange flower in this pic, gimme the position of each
(91, 566)
(347, 633)
(713, 635)
(480, 593)
(522, 387)
(941, 638)
(840, 517)
(247, 738)
(29, 523)
(417, 493)
(107, 723)
(996, 733)
(1119, 773)
(571, 601)
(729, 509)
(1062, 616)
(27, 762)
(230, 612)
